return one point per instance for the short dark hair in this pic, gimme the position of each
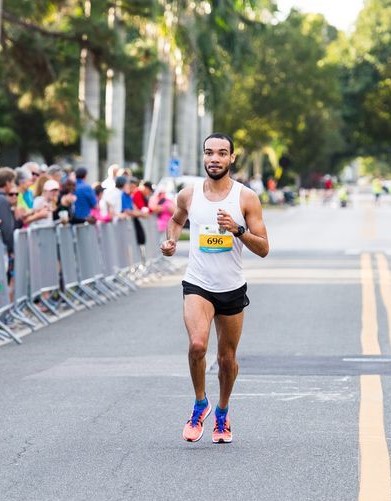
(148, 184)
(120, 181)
(81, 173)
(221, 135)
(98, 189)
(6, 175)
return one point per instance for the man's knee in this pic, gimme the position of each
(227, 362)
(197, 349)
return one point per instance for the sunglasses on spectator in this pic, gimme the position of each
(35, 174)
(13, 194)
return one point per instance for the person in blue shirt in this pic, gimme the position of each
(86, 198)
(126, 199)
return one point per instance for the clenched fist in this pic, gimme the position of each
(168, 247)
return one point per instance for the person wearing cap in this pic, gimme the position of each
(47, 201)
(85, 196)
(112, 198)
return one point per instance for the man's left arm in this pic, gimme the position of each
(255, 239)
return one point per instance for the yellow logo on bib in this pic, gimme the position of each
(212, 239)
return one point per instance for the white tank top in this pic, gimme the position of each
(215, 259)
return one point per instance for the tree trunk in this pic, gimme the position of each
(187, 127)
(159, 148)
(205, 128)
(115, 117)
(1, 19)
(89, 98)
(115, 98)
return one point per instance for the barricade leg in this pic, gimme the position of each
(92, 294)
(38, 313)
(75, 295)
(123, 280)
(49, 306)
(67, 300)
(6, 333)
(18, 315)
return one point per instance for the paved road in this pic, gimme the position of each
(92, 407)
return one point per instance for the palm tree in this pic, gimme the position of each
(89, 103)
(115, 100)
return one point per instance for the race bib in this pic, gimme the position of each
(212, 239)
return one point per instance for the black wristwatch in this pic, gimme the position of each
(239, 233)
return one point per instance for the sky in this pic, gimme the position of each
(340, 13)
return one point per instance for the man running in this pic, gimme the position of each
(223, 216)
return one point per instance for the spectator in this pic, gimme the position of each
(101, 212)
(7, 221)
(55, 172)
(12, 197)
(66, 202)
(164, 208)
(139, 200)
(256, 184)
(112, 198)
(148, 190)
(32, 215)
(85, 197)
(24, 181)
(8, 211)
(40, 184)
(48, 201)
(112, 173)
(35, 171)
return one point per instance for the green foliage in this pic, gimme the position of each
(318, 96)
(288, 94)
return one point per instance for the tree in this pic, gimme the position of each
(287, 95)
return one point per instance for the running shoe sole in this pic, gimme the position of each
(222, 441)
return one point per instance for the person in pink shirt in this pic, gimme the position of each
(164, 207)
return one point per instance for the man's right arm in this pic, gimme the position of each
(7, 224)
(176, 223)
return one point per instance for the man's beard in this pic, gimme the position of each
(216, 175)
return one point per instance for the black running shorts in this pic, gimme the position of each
(225, 303)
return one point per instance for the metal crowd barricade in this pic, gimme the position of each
(137, 250)
(155, 262)
(5, 303)
(111, 246)
(89, 263)
(82, 264)
(44, 266)
(72, 289)
(129, 255)
(22, 302)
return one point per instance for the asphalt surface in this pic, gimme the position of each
(92, 407)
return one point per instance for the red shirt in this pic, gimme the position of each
(139, 199)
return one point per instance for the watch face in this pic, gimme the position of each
(241, 230)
